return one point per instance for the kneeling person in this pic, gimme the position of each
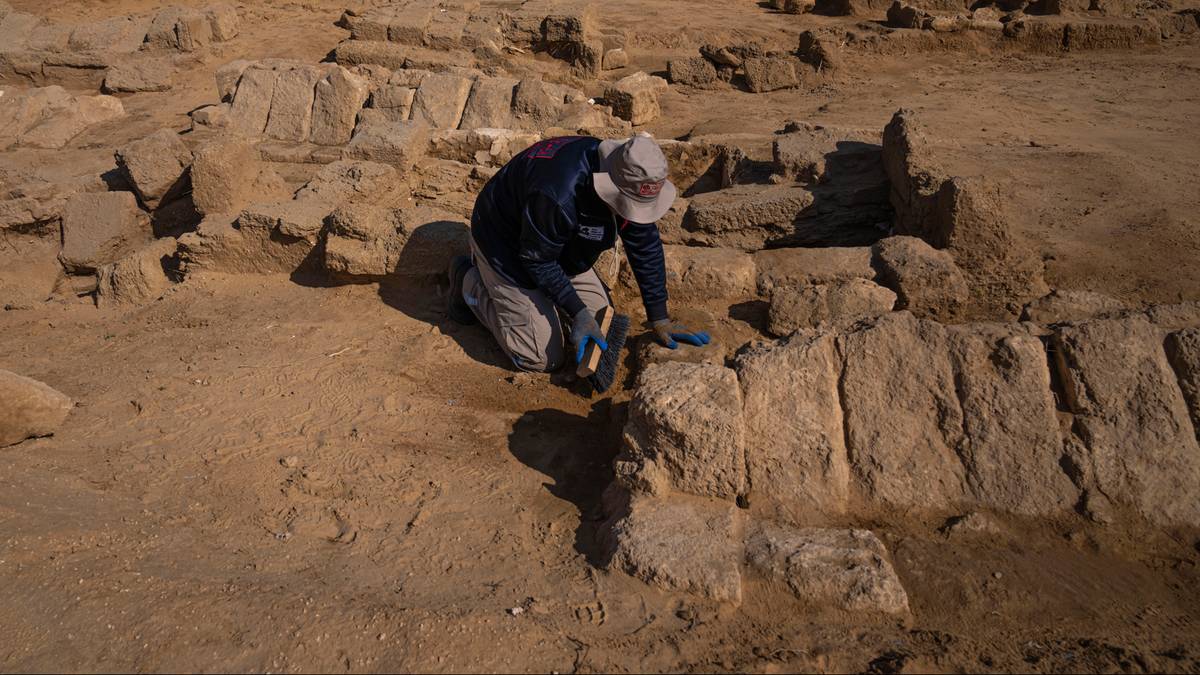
(538, 227)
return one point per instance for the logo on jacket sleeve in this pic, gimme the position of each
(591, 232)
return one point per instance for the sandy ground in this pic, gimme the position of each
(276, 474)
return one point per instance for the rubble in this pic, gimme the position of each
(838, 304)
(29, 409)
(157, 167)
(635, 97)
(844, 569)
(685, 432)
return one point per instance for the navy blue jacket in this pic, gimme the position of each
(539, 221)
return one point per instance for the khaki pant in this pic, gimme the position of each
(525, 321)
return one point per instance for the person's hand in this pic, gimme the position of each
(584, 328)
(669, 334)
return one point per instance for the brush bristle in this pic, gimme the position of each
(610, 360)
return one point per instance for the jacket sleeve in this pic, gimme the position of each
(545, 230)
(643, 247)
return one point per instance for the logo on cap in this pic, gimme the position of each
(650, 189)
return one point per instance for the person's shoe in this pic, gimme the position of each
(458, 309)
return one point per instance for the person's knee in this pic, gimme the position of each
(536, 351)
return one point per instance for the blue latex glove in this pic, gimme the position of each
(670, 334)
(583, 329)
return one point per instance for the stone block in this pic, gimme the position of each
(363, 241)
(399, 144)
(842, 569)
(1141, 445)
(50, 118)
(685, 432)
(339, 97)
(292, 101)
(490, 104)
(782, 268)
(351, 180)
(29, 409)
(98, 228)
(747, 217)
(157, 167)
(440, 100)
(1183, 351)
(795, 451)
(180, 28)
(138, 278)
(769, 73)
(615, 59)
(296, 219)
(694, 71)
(140, 74)
(703, 273)
(836, 305)
(224, 22)
(927, 282)
(680, 544)
(394, 101)
(1011, 448)
(902, 415)
(1064, 306)
(227, 77)
(434, 237)
(119, 34)
(251, 107)
(635, 97)
(227, 175)
(819, 50)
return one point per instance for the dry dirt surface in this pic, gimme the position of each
(980, 419)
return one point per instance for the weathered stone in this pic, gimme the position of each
(251, 107)
(903, 419)
(135, 75)
(227, 175)
(120, 34)
(211, 116)
(297, 219)
(224, 22)
(685, 432)
(377, 139)
(795, 451)
(1062, 306)
(768, 73)
(635, 97)
(363, 241)
(290, 118)
(793, 267)
(218, 246)
(394, 101)
(227, 77)
(440, 100)
(339, 97)
(1183, 351)
(98, 227)
(16, 29)
(837, 304)
(926, 281)
(820, 51)
(348, 180)
(138, 278)
(700, 272)
(694, 71)
(29, 409)
(1011, 446)
(156, 166)
(615, 59)
(50, 117)
(490, 104)
(747, 216)
(804, 152)
(536, 104)
(680, 544)
(1142, 449)
(485, 147)
(650, 352)
(434, 238)
(408, 25)
(901, 15)
(179, 28)
(844, 569)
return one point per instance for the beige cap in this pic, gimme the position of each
(633, 180)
